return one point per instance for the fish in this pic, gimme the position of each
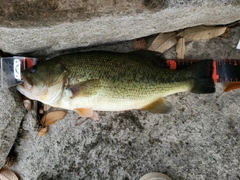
(87, 82)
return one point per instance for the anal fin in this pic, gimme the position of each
(159, 106)
(87, 112)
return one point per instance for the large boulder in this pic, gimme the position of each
(30, 25)
(200, 139)
(11, 115)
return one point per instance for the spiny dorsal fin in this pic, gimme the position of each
(150, 57)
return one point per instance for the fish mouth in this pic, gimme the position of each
(26, 83)
(25, 87)
(30, 90)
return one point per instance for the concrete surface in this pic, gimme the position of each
(50, 25)
(199, 140)
(11, 115)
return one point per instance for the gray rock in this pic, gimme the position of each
(11, 114)
(54, 25)
(200, 139)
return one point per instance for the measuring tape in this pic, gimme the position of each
(11, 68)
(224, 71)
(227, 70)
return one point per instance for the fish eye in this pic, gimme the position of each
(33, 69)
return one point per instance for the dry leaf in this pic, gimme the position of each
(202, 32)
(181, 48)
(41, 111)
(46, 107)
(139, 44)
(51, 117)
(231, 86)
(163, 42)
(7, 174)
(27, 104)
(226, 34)
(43, 131)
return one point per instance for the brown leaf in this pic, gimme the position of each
(7, 174)
(46, 107)
(139, 44)
(181, 48)
(51, 117)
(202, 32)
(231, 86)
(163, 42)
(41, 111)
(226, 34)
(43, 131)
(27, 104)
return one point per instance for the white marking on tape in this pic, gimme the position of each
(238, 46)
(17, 69)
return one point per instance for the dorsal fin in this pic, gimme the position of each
(151, 57)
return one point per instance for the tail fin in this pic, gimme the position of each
(203, 77)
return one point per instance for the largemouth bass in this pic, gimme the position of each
(108, 81)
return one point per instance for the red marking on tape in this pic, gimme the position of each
(172, 64)
(214, 74)
(235, 63)
(28, 62)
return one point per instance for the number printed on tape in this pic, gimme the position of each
(17, 69)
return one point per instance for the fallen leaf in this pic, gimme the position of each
(231, 86)
(181, 48)
(41, 111)
(43, 131)
(226, 34)
(163, 42)
(51, 117)
(7, 174)
(202, 32)
(139, 44)
(46, 107)
(27, 104)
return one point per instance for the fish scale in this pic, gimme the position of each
(132, 72)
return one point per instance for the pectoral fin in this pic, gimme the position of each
(87, 112)
(86, 88)
(160, 106)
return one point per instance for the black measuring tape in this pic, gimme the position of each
(226, 70)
